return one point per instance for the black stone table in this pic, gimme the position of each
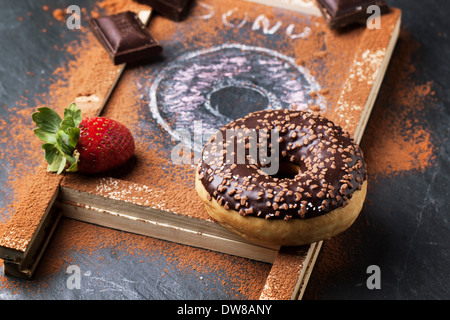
(397, 249)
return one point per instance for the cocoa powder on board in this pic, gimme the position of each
(409, 148)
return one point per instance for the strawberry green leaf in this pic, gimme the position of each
(45, 136)
(62, 166)
(51, 152)
(74, 135)
(56, 164)
(67, 123)
(60, 137)
(47, 119)
(62, 142)
(73, 112)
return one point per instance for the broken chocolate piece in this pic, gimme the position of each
(175, 10)
(125, 37)
(341, 13)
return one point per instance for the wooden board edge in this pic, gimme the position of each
(72, 195)
(27, 266)
(80, 197)
(306, 272)
(298, 263)
(9, 251)
(378, 82)
(306, 7)
(166, 231)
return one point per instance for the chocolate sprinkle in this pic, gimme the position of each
(330, 167)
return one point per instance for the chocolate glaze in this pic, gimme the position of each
(331, 167)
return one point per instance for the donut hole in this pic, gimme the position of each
(287, 170)
(236, 102)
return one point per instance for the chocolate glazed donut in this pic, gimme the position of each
(316, 193)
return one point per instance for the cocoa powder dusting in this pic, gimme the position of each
(241, 281)
(409, 148)
(290, 261)
(41, 191)
(394, 141)
(59, 14)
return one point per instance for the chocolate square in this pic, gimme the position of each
(125, 37)
(341, 13)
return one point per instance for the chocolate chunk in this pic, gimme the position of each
(125, 37)
(175, 10)
(341, 13)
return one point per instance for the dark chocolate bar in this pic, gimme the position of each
(175, 10)
(125, 37)
(341, 13)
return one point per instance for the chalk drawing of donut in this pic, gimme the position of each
(217, 85)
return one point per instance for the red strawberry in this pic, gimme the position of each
(90, 145)
(104, 144)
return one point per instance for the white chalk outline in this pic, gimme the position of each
(178, 134)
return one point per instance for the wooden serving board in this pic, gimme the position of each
(225, 60)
